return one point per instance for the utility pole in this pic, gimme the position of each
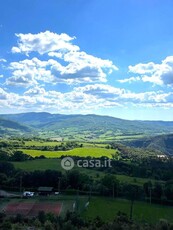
(20, 183)
(77, 200)
(117, 189)
(90, 193)
(150, 194)
(131, 209)
(59, 184)
(113, 192)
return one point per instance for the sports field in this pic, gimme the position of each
(59, 205)
(31, 207)
(106, 208)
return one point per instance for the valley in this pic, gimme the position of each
(138, 183)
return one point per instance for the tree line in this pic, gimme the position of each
(73, 221)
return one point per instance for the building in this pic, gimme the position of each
(45, 191)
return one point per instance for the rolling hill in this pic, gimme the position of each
(163, 143)
(12, 127)
(88, 127)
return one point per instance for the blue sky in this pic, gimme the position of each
(112, 57)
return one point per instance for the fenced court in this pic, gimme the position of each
(58, 205)
(31, 208)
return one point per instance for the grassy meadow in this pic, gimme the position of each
(55, 164)
(81, 152)
(107, 208)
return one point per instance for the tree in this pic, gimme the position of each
(19, 156)
(42, 217)
(6, 225)
(169, 190)
(48, 225)
(7, 168)
(111, 183)
(158, 190)
(4, 155)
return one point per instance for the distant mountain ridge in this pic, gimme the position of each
(91, 125)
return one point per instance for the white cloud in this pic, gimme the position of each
(81, 99)
(129, 80)
(64, 62)
(20, 81)
(3, 60)
(144, 68)
(35, 91)
(3, 94)
(101, 91)
(27, 73)
(77, 67)
(160, 74)
(44, 42)
(119, 95)
(51, 71)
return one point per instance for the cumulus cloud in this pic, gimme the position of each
(81, 99)
(35, 91)
(144, 68)
(77, 67)
(7, 98)
(27, 73)
(160, 74)
(44, 42)
(20, 81)
(3, 94)
(101, 90)
(110, 93)
(54, 58)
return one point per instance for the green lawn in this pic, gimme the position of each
(107, 209)
(81, 152)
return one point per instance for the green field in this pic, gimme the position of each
(107, 209)
(42, 143)
(55, 164)
(81, 152)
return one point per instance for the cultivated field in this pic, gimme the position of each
(81, 152)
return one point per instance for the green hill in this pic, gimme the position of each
(88, 127)
(162, 143)
(11, 127)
